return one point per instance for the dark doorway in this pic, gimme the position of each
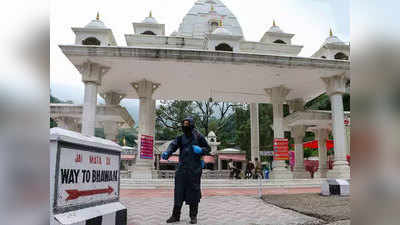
(279, 42)
(341, 56)
(224, 47)
(91, 41)
(148, 33)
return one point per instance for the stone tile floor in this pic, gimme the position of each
(327, 208)
(218, 206)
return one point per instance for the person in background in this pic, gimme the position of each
(231, 168)
(192, 147)
(249, 169)
(258, 169)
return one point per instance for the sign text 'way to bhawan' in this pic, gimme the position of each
(73, 176)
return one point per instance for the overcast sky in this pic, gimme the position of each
(309, 20)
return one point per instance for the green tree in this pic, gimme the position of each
(207, 116)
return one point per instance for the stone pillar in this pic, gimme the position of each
(336, 87)
(322, 136)
(255, 132)
(298, 133)
(145, 90)
(110, 130)
(278, 97)
(111, 127)
(92, 74)
(219, 164)
(296, 105)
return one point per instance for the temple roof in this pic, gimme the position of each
(196, 23)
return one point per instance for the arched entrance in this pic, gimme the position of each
(91, 41)
(148, 33)
(341, 56)
(279, 42)
(224, 47)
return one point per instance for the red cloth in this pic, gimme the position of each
(209, 159)
(234, 157)
(314, 144)
(172, 159)
(128, 157)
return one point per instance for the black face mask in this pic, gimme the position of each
(186, 130)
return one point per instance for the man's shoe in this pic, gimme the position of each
(172, 219)
(193, 220)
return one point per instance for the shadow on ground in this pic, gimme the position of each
(331, 209)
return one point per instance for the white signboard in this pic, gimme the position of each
(266, 153)
(86, 176)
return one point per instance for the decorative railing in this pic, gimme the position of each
(207, 174)
(170, 174)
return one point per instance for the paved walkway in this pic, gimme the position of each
(218, 206)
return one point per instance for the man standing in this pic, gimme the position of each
(192, 146)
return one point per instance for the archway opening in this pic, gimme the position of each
(279, 42)
(148, 33)
(91, 41)
(341, 56)
(224, 47)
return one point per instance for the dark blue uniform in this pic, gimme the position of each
(189, 170)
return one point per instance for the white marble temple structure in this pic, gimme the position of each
(209, 56)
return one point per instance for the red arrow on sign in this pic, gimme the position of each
(74, 194)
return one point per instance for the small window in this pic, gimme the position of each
(279, 42)
(224, 47)
(91, 41)
(148, 33)
(324, 57)
(341, 56)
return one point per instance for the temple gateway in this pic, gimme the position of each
(208, 57)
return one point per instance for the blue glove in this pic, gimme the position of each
(197, 149)
(165, 155)
(202, 164)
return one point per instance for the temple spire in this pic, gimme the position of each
(98, 16)
(274, 23)
(151, 14)
(331, 33)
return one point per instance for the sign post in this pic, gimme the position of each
(146, 147)
(84, 179)
(281, 149)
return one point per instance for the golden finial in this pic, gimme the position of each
(124, 141)
(331, 32)
(220, 23)
(212, 8)
(151, 14)
(98, 16)
(274, 23)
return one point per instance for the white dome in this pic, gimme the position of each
(222, 31)
(211, 134)
(196, 23)
(275, 29)
(334, 40)
(175, 33)
(96, 24)
(150, 20)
